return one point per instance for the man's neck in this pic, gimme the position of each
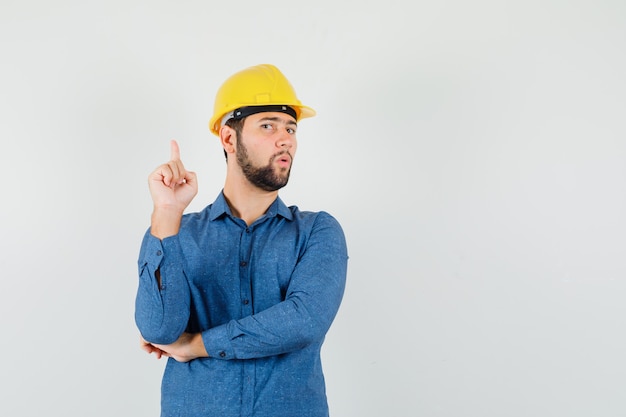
(247, 201)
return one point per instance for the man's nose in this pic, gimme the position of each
(286, 139)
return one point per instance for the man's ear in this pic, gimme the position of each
(228, 138)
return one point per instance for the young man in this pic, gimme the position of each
(239, 296)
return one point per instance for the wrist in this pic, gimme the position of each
(165, 221)
(198, 346)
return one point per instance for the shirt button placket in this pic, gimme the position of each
(246, 305)
(246, 310)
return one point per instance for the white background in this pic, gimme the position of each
(474, 153)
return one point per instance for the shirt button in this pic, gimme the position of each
(246, 302)
(222, 354)
(243, 263)
(159, 253)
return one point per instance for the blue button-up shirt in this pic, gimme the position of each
(263, 297)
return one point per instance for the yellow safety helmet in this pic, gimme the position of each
(255, 89)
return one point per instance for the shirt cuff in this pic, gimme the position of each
(217, 343)
(154, 250)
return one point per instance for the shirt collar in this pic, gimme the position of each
(220, 207)
(279, 208)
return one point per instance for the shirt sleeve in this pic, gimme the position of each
(161, 312)
(311, 303)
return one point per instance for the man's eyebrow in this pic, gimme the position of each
(277, 119)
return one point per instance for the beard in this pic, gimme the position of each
(265, 177)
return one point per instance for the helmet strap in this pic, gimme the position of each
(242, 112)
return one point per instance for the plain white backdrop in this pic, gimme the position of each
(474, 153)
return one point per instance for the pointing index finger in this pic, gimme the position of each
(175, 151)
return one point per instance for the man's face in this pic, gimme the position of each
(265, 149)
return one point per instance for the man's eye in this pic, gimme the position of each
(291, 130)
(266, 126)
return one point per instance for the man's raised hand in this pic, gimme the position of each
(172, 188)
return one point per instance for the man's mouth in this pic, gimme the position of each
(283, 159)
